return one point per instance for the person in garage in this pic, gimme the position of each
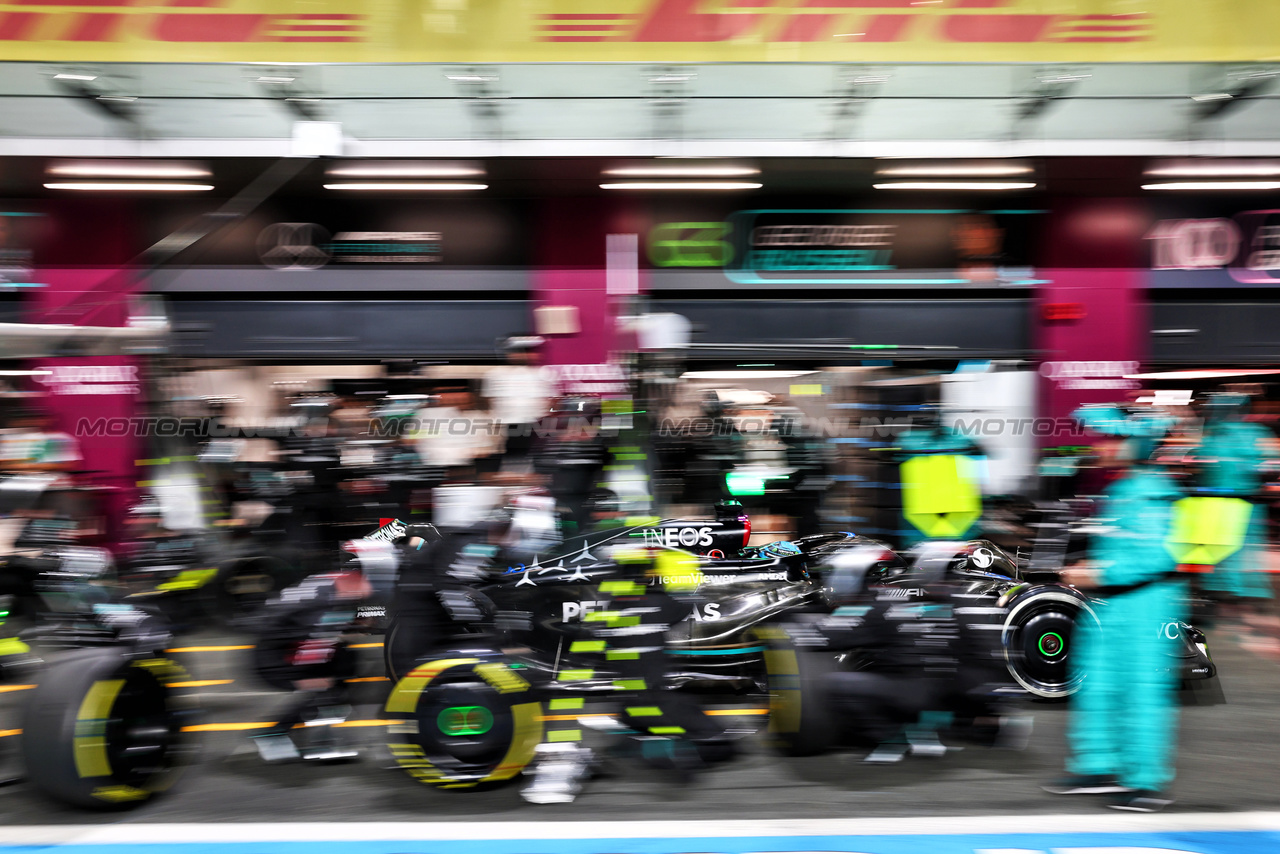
(929, 659)
(1123, 721)
(1234, 456)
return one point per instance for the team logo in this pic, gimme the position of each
(293, 246)
(983, 558)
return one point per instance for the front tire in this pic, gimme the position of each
(1037, 640)
(465, 721)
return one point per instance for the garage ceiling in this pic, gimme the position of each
(774, 109)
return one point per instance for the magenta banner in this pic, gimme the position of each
(585, 291)
(1091, 333)
(83, 394)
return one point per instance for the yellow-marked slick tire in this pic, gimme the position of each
(800, 718)
(466, 721)
(104, 731)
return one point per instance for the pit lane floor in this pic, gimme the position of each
(1227, 763)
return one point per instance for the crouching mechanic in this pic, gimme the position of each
(434, 594)
(929, 657)
(655, 589)
(305, 648)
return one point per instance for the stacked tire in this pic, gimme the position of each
(106, 730)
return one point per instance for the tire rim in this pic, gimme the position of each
(143, 734)
(1051, 645)
(464, 732)
(1037, 643)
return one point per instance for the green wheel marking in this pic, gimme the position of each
(465, 720)
(1057, 647)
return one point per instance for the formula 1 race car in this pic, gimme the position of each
(515, 646)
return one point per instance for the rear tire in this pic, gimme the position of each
(800, 718)
(465, 721)
(104, 731)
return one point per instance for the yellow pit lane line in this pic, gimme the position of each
(5, 689)
(239, 726)
(200, 683)
(223, 649)
(7, 732)
(208, 648)
(730, 712)
(725, 712)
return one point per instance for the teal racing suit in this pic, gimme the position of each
(1123, 721)
(1237, 452)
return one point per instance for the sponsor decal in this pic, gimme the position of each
(684, 537)
(1246, 247)
(579, 610)
(280, 32)
(90, 379)
(392, 529)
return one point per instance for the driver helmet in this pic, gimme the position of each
(782, 548)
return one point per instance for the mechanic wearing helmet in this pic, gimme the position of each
(1233, 456)
(304, 648)
(1123, 720)
(926, 657)
(654, 589)
(435, 593)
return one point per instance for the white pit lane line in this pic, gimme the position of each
(1000, 825)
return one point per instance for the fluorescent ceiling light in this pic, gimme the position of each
(407, 185)
(126, 186)
(1214, 168)
(956, 185)
(676, 171)
(1213, 96)
(1214, 185)
(682, 185)
(127, 169)
(84, 77)
(1205, 374)
(965, 170)
(406, 169)
(276, 79)
(743, 375)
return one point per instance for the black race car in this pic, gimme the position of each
(512, 649)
